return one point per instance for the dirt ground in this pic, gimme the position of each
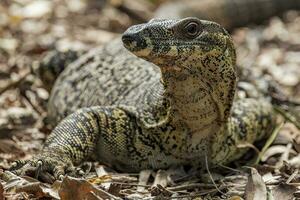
(31, 28)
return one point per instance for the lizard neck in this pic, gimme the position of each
(200, 95)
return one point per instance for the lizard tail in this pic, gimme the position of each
(53, 64)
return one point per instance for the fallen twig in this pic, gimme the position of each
(213, 181)
(14, 83)
(190, 186)
(293, 175)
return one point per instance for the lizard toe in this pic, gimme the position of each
(59, 172)
(74, 171)
(24, 168)
(42, 166)
(17, 165)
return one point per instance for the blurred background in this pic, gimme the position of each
(266, 34)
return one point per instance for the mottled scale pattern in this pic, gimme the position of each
(102, 78)
(164, 96)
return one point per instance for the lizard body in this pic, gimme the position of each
(168, 102)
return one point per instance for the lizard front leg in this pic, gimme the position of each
(251, 120)
(73, 141)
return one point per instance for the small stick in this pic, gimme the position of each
(231, 169)
(294, 174)
(190, 186)
(15, 83)
(208, 171)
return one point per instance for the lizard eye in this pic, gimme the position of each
(192, 29)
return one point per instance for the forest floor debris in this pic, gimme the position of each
(30, 28)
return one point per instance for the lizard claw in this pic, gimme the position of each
(59, 172)
(45, 165)
(17, 164)
(22, 167)
(80, 172)
(61, 177)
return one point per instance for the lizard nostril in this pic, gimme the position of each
(128, 39)
(136, 43)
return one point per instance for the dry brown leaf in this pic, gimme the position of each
(255, 188)
(115, 189)
(29, 185)
(39, 190)
(77, 189)
(12, 181)
(283, 192)
(101, 179)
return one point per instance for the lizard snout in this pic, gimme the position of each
(128, 39)
(136, 44)
(132, 42)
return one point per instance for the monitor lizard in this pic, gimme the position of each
(161, 95)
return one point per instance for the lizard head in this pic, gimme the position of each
(197, 61)
(186, 44)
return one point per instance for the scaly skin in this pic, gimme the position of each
(228, 13)
(168, 102)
